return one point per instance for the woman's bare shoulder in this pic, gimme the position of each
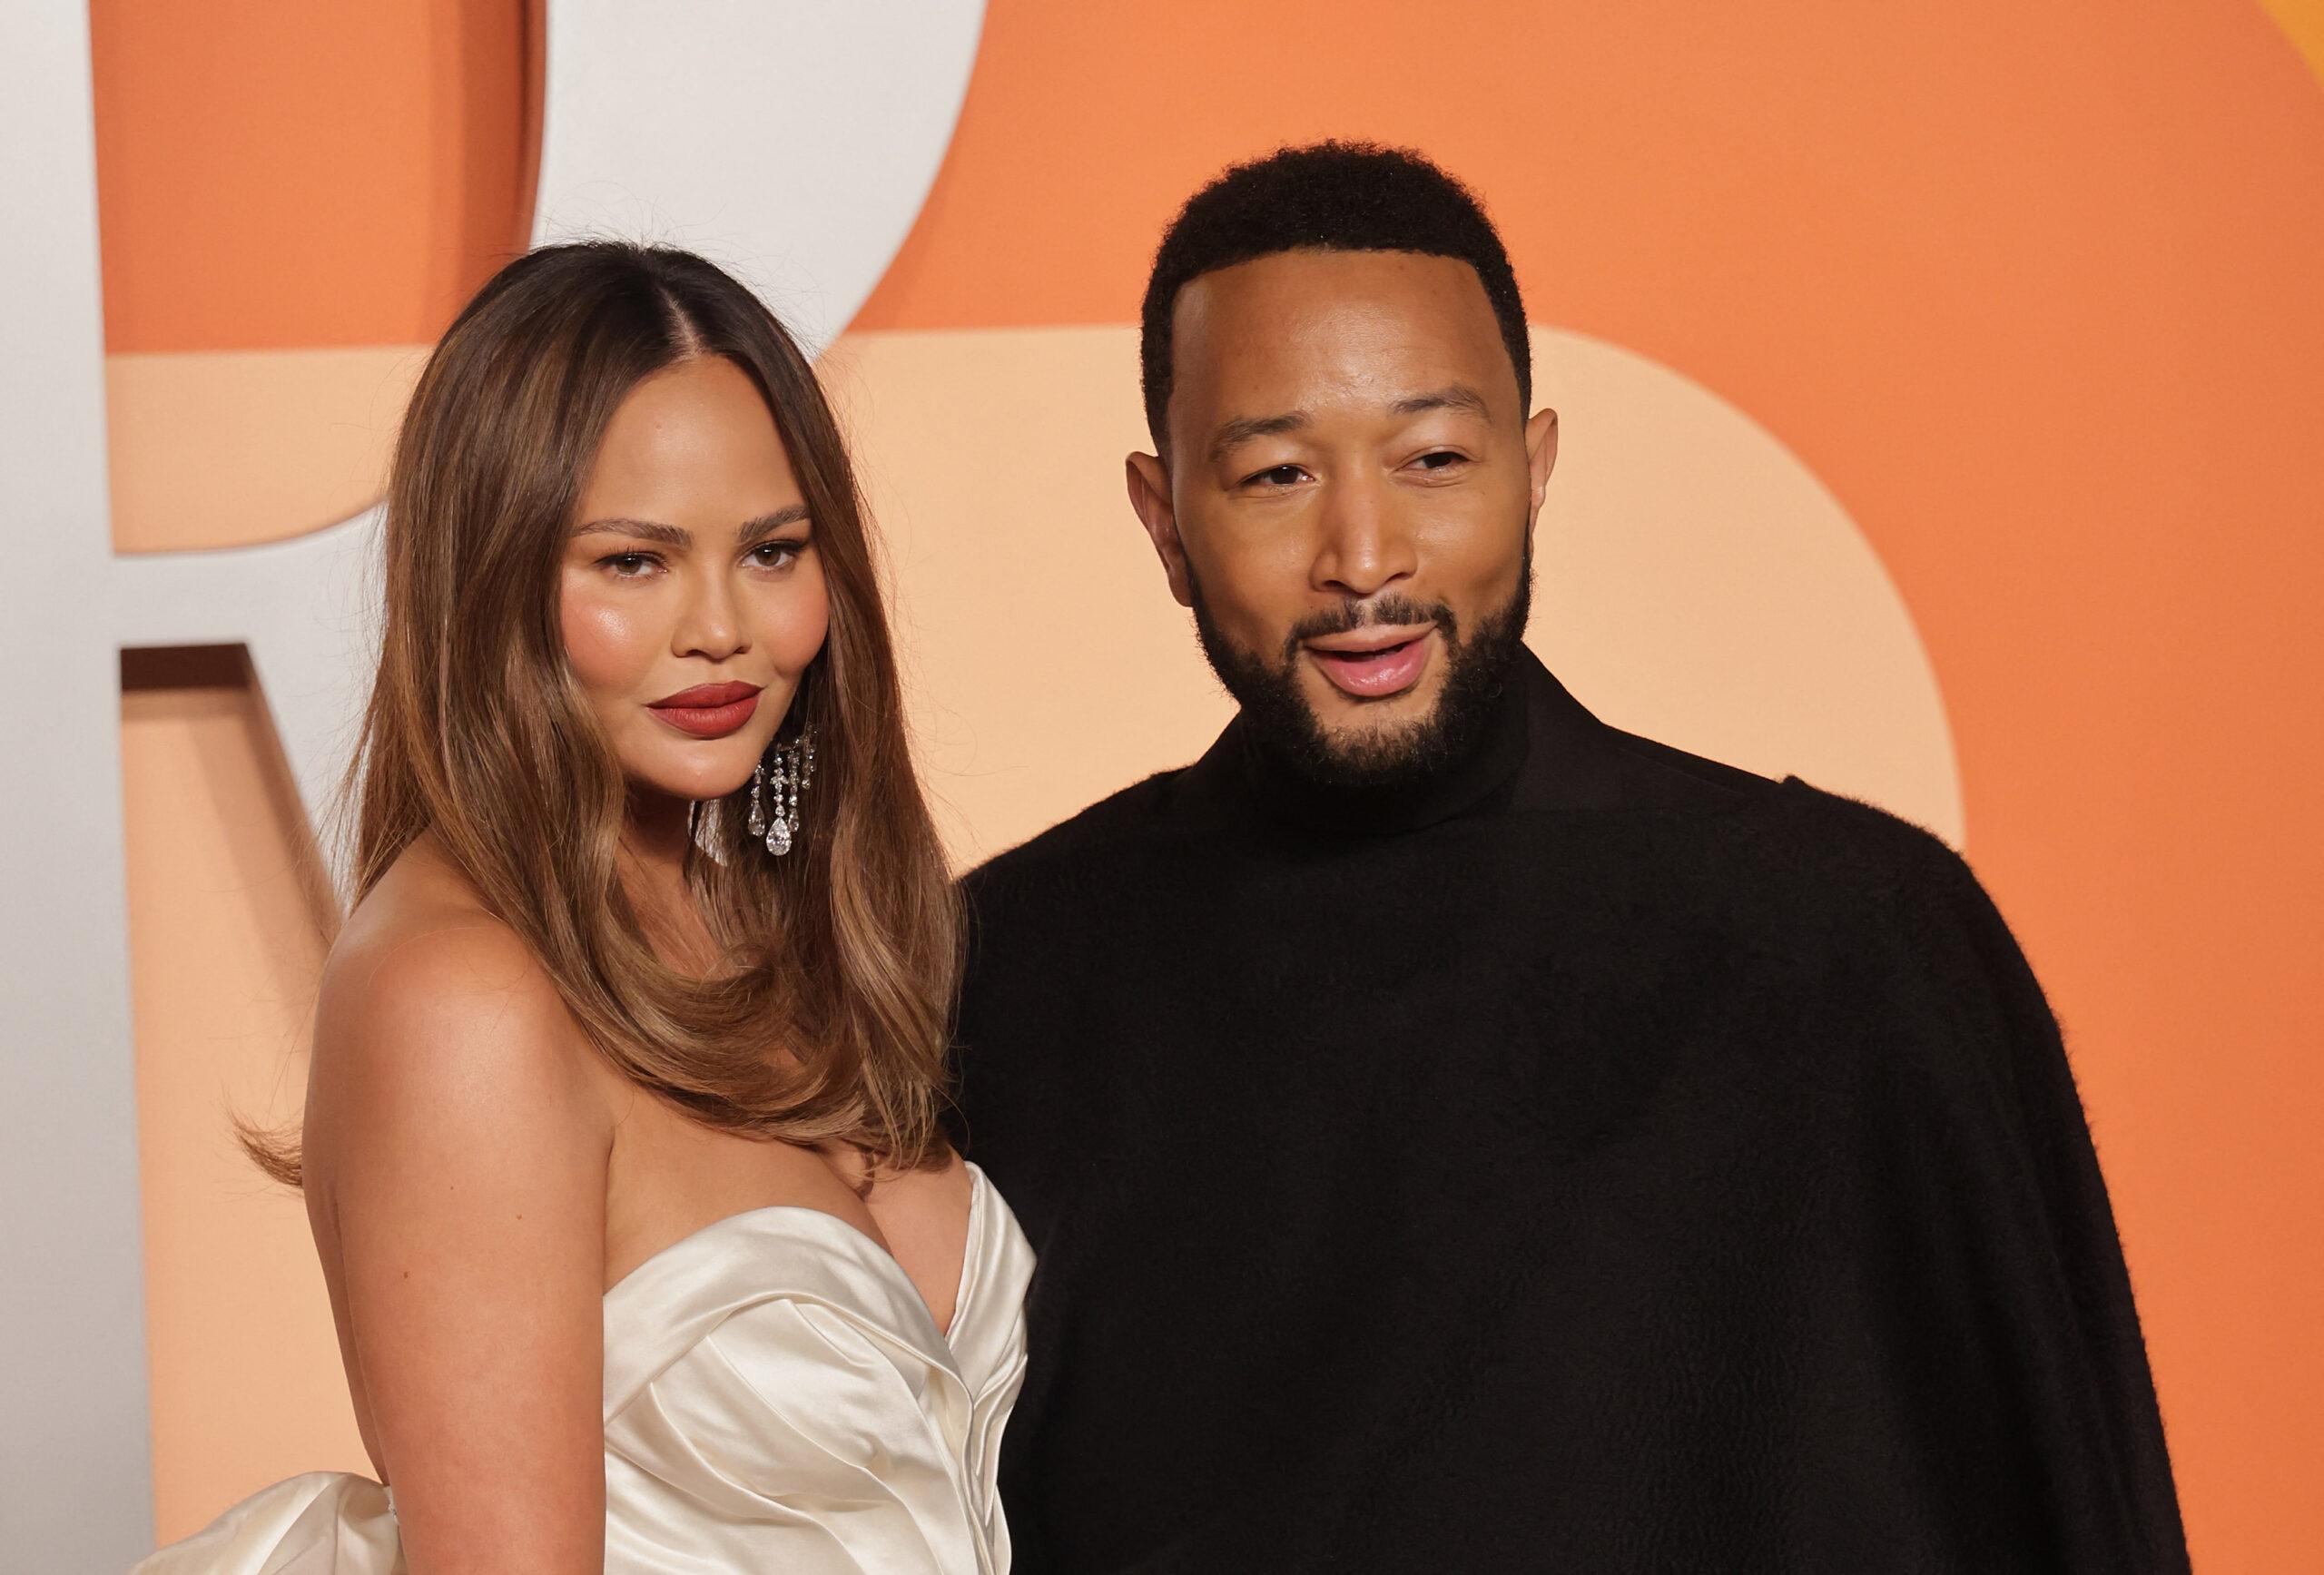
(430, 1005)
(456, 1161)
(421, 942)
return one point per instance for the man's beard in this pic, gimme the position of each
(1478, 668)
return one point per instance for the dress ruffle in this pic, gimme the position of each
(322, 1524)
(776, 1397)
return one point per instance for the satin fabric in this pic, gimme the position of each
(777, 1397)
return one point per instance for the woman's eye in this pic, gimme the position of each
(1275, 476)
(776, 555)
(628, 565)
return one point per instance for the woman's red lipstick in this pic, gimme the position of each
(708, 710)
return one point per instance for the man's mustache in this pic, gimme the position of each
(1355, 612)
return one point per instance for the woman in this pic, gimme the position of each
(621, 1148)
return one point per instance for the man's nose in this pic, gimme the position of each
(1364, 545)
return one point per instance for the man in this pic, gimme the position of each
(1457, 1134)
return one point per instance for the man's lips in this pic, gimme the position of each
(708, 710)
(1372, 663)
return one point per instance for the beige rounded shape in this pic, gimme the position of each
(1695, 582)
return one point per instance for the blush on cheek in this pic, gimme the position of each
(794, 626)
(608, 651)
(801, 639)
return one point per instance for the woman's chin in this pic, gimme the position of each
(693, 781)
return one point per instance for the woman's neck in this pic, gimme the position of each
(657, 836)
(656, 831)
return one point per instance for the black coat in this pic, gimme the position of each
(1598, 1161)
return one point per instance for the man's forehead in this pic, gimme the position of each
(1295, 287)
(1378, 325)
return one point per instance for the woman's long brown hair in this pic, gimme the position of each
(829, 1019)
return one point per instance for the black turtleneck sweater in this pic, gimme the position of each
(1597, 1159)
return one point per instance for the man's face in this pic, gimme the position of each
(1348, 501)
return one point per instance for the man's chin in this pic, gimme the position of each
(1375, 742)
(1335, 738)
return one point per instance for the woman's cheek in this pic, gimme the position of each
(796, 620)
(603, 640)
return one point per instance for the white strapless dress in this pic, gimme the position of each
(777, 1398)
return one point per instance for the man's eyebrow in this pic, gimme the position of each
(1243, 428)
(669, 535)
(1451, 397)
(766, 525)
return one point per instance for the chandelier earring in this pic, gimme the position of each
(784, 774)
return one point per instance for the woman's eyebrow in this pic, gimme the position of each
(750, 531)
(668, 535)
(766, 525)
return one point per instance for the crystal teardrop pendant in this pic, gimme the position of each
(787, 770)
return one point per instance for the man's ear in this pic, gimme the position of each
(1149, 495)
(1541, 455)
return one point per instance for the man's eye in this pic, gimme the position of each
(1275, 476)
(1441, 460)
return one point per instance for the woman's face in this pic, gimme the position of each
(690, 596)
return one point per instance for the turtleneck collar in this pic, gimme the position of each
(1284, 794)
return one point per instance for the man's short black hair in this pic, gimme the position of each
(1330, 197)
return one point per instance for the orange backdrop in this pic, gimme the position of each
(2032, 287)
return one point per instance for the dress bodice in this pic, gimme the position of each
(776, 1396)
